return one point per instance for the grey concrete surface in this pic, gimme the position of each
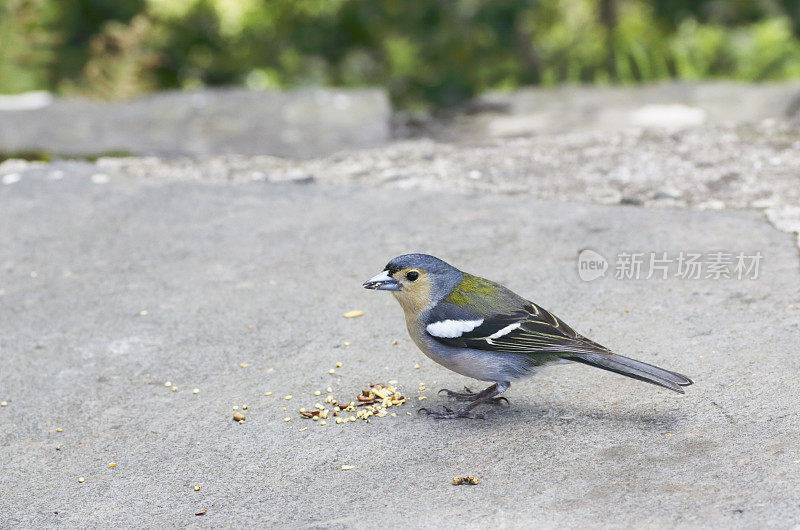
(670, 105)
(300, 123)
(83, 256)
(753, 166)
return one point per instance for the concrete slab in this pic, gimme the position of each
(83, 258)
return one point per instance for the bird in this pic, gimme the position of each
(483, 330)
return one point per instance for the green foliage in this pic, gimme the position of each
(427, 53)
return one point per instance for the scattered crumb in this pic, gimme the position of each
(416, 366)
(288, 397)
(346, 343)
(317, 393)
(143, 313)
(338, 365)
(331, 371)
(348, 468)
(196, 391)
(457, 481)
(3, 403)
(201, 512)
(353, 314)
(168, 384)
(244, 407)
(243, 365)
(270, 370)
(112, 464)
(287, 418)
(81, 479)
(59, 429)
(197, 487)
(394, 342)
(174, 388)
(267, 393)
(238, 416)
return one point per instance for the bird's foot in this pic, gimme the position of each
(449, 414)
(469, 395)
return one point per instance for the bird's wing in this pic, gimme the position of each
(529, 329)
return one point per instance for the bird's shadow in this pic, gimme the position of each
(553, 414)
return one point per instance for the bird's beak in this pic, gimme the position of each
(382, 282)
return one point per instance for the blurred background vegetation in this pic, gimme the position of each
(427, 54)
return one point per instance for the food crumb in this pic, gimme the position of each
(238, 416)
(267, 393)
(353, 314)
(59, 429)
(471, 480)
(347, 468)
(338, 365)
(288, 397)
(3, 403)
(197, 488)
(81, 479)
(196, 391)
(168, 384)
(331, 371)
(243, 365)
(112, 464)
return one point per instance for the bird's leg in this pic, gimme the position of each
(466, 411)
(469, 395)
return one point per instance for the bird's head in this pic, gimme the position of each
(416, 280)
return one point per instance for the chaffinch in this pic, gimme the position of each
(481, 329)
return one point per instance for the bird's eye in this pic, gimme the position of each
(412, 275)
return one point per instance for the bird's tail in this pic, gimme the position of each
(635, 369)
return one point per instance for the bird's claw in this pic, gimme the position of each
(469, 395)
